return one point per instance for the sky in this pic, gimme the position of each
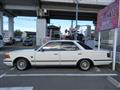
(29, 23)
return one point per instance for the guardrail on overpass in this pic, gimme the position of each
(96, 2)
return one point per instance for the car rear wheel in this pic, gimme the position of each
(22, 64)
(84, 65)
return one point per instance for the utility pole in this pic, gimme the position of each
(77, 7)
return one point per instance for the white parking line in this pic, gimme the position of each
(16, 88)
(58, 75)
(2, 75)
(114, 81)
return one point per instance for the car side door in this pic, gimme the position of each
(70, 53)
(48, 54)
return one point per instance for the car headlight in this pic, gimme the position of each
(6, 55)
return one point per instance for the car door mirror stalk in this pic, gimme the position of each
(42, 50)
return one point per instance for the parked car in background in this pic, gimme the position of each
(58, 52)
(7, 38)
(1, 41)
(28, 42)
(18, 39)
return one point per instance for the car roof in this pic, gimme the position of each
(63, 41)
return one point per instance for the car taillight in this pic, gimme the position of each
(108, 55)
(6, 55)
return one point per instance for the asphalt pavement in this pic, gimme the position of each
(56, 78)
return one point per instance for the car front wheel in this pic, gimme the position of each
(21, 64)
(84, 65)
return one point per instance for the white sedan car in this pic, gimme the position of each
(58, 52)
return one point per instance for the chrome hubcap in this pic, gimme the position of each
(21, 65)
(84, 65)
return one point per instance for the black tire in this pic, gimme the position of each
(22, 64)
(84, 65)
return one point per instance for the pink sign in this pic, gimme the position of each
(108, 17)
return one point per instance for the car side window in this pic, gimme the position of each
(52, 46)
(69, 46)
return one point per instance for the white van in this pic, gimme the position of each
(1, 41)
(7, 38)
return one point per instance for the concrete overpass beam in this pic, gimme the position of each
(11, 26)
(41, 31)
(1, 23)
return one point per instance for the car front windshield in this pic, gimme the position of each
(85, 46)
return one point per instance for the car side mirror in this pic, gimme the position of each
(42, 50)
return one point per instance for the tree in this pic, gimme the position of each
(18, 33)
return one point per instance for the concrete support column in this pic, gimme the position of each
(41, 31)
(11, 26)
(88, 32)
(1, 23)
(96, 33)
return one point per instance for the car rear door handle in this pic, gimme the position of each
(79, 53)
(55, 54)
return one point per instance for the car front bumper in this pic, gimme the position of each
(8, 63)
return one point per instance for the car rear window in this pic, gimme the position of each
(85, 46)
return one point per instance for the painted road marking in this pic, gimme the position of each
(16, 88)
(114, 81)
(2, 75)
(58, 75)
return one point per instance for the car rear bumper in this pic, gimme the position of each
(103, 62)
